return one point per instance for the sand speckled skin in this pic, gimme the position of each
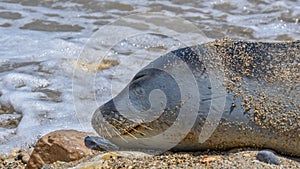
(262, 82)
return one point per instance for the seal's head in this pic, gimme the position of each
(151, 101)
(146, 106)
(160, 103)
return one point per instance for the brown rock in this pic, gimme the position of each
(61, 145)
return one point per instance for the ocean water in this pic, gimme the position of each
(60, 60)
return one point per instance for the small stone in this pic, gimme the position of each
(110, 155)
(25, 157)
(130, 167)
(19, 157)
(246, 155)
(267, 157)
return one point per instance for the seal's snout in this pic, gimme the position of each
(108, 111)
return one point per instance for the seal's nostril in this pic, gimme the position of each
(108, 109)
(108, 106)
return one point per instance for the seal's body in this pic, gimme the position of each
(262, 101)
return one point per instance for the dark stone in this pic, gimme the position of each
(267, 157)
(99, 143)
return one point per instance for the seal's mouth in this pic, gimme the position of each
(109, 122)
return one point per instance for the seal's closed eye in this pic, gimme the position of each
(138, 77)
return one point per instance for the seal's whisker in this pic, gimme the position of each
(116, 130)
(101, 128)
(107, 132)
(138, 131)
(116, 120)
(141, 124)
(119, 134)
(149, 128)
(130, 134)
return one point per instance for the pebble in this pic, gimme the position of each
(267, 157)
(246, 155)
(25, 158)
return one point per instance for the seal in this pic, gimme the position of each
(261, 110)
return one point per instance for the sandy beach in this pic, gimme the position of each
(235, 158)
